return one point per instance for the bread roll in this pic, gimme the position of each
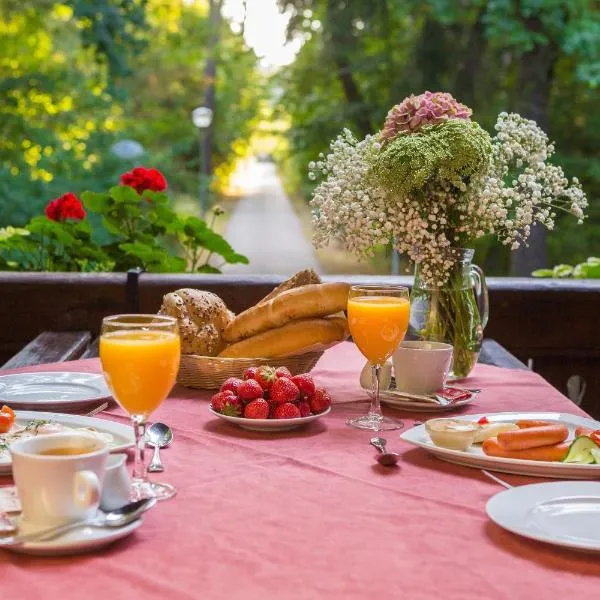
(294, 338)
(202, 317)
(307, 301)
(301, 278)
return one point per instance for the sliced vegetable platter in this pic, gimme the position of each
(474, 457)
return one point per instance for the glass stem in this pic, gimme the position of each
(139, 464)
(375, 407)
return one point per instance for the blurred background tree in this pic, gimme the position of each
(541, 59)
(77, 76)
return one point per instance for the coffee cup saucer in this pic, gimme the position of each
(78, 541)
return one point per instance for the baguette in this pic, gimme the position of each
(292, 339)
(307, 301)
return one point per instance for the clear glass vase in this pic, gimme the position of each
(455, 313)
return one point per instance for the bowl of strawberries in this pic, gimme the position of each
(270, 399)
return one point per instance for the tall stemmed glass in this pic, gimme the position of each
(140, 359)
(378, 317)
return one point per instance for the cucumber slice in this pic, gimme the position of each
(596, 455)
(580, 451)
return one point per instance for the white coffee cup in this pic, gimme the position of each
(116, 484)
(421, 367)
(57, 489)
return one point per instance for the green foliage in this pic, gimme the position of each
(590, 269)
(437, 156)
(135, 231)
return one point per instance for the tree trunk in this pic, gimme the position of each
(536, 76)
(470, 65)
(339, 30)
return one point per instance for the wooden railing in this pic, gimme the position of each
(553, 324)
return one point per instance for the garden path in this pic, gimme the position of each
(265, 228)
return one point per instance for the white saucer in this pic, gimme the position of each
(270, 425)
(78, 541)
(54, 390)
(564, 513)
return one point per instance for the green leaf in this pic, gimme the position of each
(543, 273)
(95, 202)
(124, 194)
(208, 269)
(561, 271)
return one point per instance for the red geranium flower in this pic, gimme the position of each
(68, 206)
(141, 179)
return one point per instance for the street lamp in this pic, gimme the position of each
(202, 118)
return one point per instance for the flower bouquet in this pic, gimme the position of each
(431, 182)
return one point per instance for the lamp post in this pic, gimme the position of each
(202, 119)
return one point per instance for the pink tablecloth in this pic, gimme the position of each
(308, 515)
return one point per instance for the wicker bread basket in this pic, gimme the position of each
(208, 372)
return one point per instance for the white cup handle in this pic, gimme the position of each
(86, 489)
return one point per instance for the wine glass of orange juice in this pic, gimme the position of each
(140, 360)
(378, 318)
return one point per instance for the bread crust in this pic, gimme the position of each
(301, 278)
(308, 301)
(297, 337)
(202, 317)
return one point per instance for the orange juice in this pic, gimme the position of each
(378, 324)
(140, 367)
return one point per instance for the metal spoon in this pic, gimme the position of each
(158, 436)
(387, 459)
(115, 518)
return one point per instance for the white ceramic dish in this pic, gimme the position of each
(84, 539)
(390, 399)
(475, 458)
(269, 425)
(52, 390)
(565, 513)
(123, 437)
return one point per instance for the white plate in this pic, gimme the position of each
(123, 437)
(52, 391)
(389, 399)
(565, 513)
(84, 539)
(271, 425)
(474, 456)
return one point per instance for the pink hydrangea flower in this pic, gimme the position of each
(426, 109)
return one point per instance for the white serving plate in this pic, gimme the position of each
(475, 458)
(123, 437)
(394, 401)
(60, 390)
(565, 513)
(269, 425)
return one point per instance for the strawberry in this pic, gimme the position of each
(250, 390)
(284, 390)
(233, 384)
(319, 401)
(304, 408)
(257, 409)
(227, 403)
(265, 376)
(250, 373)
(305, 384)
(287, 410)
(283, 372)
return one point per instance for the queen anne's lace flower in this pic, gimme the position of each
(426, 109)
(505, 191)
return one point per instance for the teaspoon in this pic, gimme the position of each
(387, 459)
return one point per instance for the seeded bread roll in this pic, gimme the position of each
(307, 301)
(297, 337)
(202, 317)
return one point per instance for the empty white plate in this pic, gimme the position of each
(564, 513)
(53, 391)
